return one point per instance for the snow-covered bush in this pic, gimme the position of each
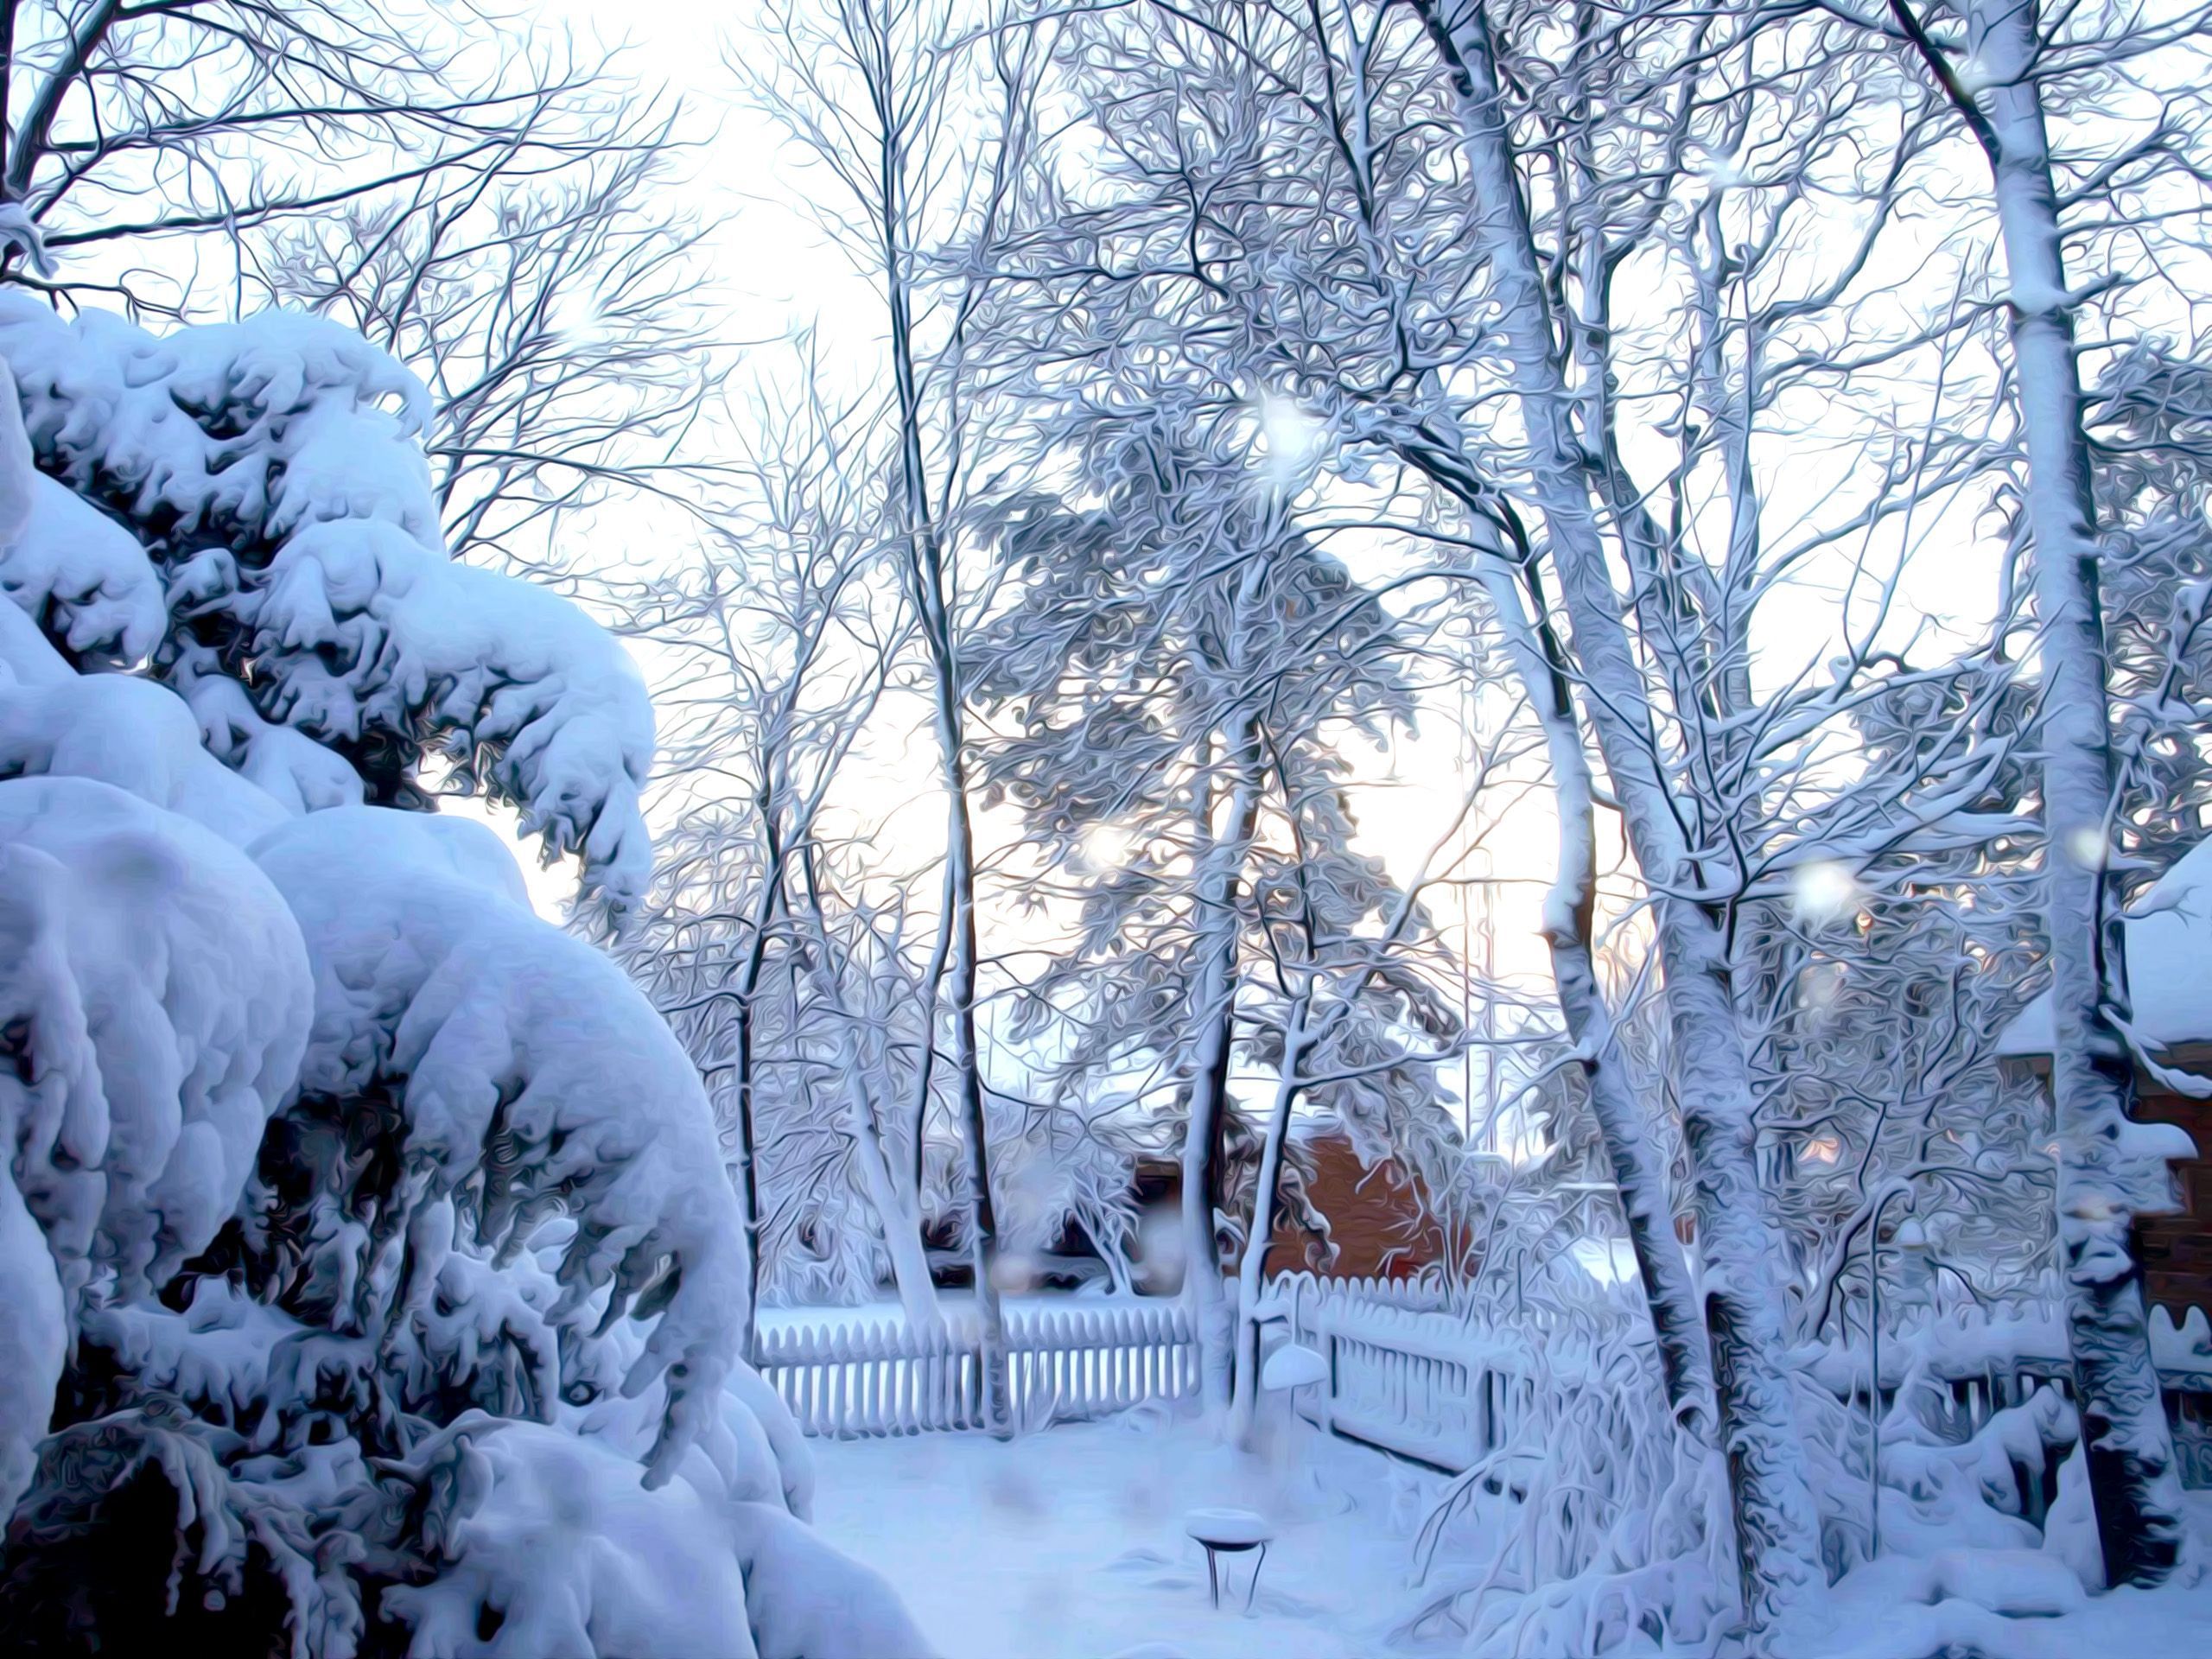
(1603, 1524)
(286, 540)
(1597, 1525)
(369, 1278)
(523, 1076)
(1982, 1539)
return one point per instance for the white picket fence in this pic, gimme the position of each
(1407, 1375)
(1412, 1378)
(852, 1381)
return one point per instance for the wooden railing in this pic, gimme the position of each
(1405, 1376)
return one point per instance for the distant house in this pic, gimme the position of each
(1377, 1214)
(2169, 944)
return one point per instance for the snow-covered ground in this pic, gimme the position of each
(1907, 1609)
(1069, 1544)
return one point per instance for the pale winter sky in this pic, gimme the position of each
(775, 271)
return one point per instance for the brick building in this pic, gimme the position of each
(1378, 1217)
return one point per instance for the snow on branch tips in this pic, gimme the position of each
(248, 506)
(155, 997)
(533, 1080)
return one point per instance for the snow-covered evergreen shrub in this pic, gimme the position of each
(369, 1279)
(286, 547)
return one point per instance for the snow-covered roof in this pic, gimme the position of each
(2169, 943)
(1317, 1125)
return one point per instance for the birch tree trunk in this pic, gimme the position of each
(1623, 1121)
(1777, 1525)
(983, 1230)
(896, 1206)
(2128, 1445)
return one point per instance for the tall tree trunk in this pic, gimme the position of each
(1777, 1525)
(926, 1063)
(1205, 1120)
(1251, 1267)
(741, 1064)
(1623, 1121)
(896, 1205)
(983, 1229)
(2128, 1444)
(930, 591)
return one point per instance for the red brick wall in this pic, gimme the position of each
(1376, 1218)
(2176, 1250)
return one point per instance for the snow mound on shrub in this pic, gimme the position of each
(549, 1547)
(33, 1334)
(272, 473)
(155, 996)
(84, 576)
(163, 991)
(137, 736)
(532, 1078)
